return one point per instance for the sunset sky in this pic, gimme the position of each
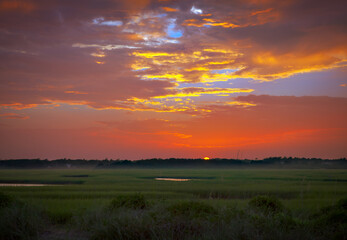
(135, 79)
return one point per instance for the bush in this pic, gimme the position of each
(5, 200)
(136, 201)
(342, 204)
(137, 224)
(193, 220)
(266, 204)
(333, 215)
(20, 221)
(59, 217)
(123, 227)
(331, 222)
(336, 214)
(191, 209)
(125, 223)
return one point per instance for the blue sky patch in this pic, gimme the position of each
(172, 31)
(221, 71)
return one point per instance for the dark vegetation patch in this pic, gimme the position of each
(5, 200)
(18, 220)
(134, 201)
(266, 204)
(81, 175)
(296, 179)
(334, 180)
(272, 162)
(130, 217)
(60, 232)
(59, 217)
(240, 195)
(264, 218)
(333, 218)
(52, 182)
(77, 176)
(192, 209)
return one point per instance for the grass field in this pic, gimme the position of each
(77, 192)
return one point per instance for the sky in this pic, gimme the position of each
(137, 79)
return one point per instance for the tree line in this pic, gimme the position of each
(271, 162)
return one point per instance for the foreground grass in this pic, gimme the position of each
(134, 217)
(216, 204)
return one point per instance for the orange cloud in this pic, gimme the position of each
(179, 102)
(198, 91)
(18, 106)
(13, 116)
(98, 54)
(213, 22)
(261, 11)
(247, 19)
(135, 5)
(176, 77)
(133, 37)
(193, 22)
(168, 9)
(264, 66)
(191, 66)
(75, 92)
(154, 54)
(25, 6)
(268, 66)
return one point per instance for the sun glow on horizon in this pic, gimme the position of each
(206, 158)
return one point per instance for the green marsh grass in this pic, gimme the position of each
(82, 197)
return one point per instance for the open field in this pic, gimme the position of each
(75, 192)
(299, 189)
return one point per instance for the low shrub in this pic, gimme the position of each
(5, 200)
(266, 204)
(335, 214)
(123, 227)
(20, 221)
(59, 217)
(193, 220)
(191, 209)
(135, 201)
(331, 221)
(137, 224)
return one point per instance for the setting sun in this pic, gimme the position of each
(206, 158)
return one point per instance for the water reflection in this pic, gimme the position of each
(173, 179)
(25, 185)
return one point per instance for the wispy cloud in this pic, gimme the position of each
(102, 21)
(13, 116)
(103, 47)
